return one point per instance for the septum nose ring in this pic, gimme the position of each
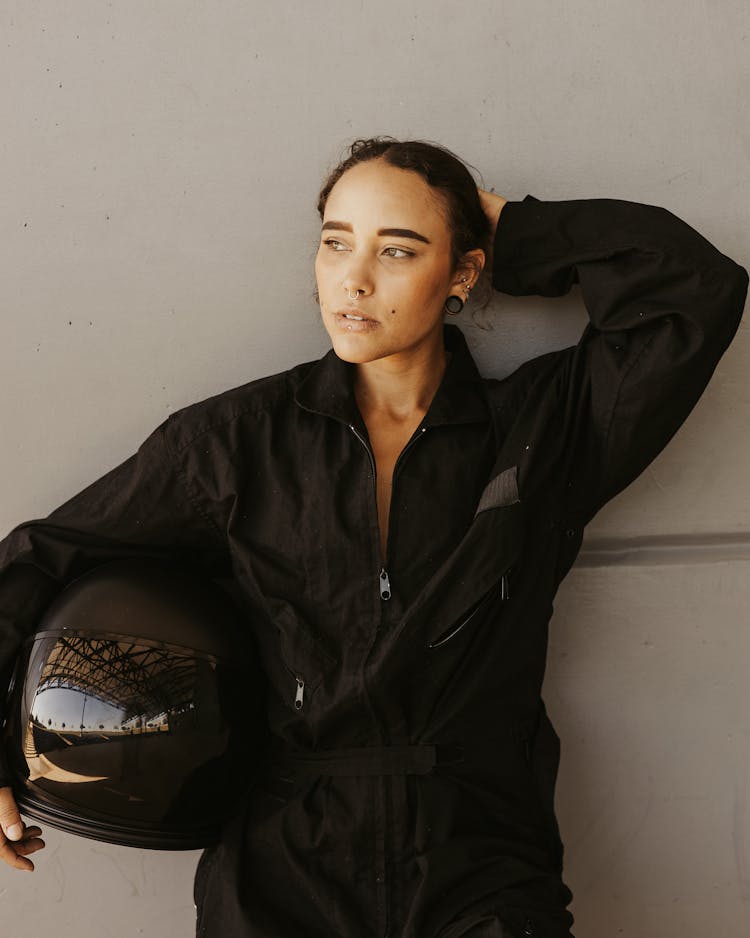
(356, 294)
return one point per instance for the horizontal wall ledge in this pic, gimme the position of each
(654, 550)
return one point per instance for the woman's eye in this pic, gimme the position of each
(339, 246)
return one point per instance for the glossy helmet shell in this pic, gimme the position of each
(136, 709)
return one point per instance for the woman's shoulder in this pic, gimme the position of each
(261, 398)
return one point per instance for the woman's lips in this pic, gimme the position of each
(354, 320)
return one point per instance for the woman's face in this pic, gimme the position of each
(384, 234)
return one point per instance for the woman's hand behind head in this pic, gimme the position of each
(492, 205)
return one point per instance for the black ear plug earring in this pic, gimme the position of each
(454, 304)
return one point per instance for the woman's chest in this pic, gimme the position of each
(320, 517)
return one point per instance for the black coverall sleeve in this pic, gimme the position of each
(663, 305)
(142, 508)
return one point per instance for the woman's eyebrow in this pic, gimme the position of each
(393, 232)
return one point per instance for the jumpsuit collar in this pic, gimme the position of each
(328, 388)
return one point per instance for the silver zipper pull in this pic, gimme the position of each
(504, 593)
(385, 585)
(298, 700)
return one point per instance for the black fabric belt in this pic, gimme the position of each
(366, 760)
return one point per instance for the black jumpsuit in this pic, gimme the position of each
(409, 788)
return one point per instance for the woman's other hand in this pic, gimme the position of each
(16, 840)
(492, 204)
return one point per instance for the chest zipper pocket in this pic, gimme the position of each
(304, 657)
(299, 694)
(501, 587)
(302, 682)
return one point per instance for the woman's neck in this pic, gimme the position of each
(397, 390)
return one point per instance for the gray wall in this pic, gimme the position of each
(160, 163)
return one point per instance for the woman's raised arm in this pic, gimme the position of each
(663, 305)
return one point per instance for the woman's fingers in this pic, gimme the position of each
(16, 840)
(9, 854)
(24, 847)
(10, 818)
(492, 206)
(15, 852)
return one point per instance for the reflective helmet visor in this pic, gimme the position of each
(130, 740)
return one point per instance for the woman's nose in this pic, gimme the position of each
(358, 279)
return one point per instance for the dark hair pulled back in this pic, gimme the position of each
(441, 169)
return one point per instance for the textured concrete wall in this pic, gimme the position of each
(160, 164)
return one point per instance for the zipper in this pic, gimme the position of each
(384, 586)
(300, 695)
(302, 684)
(384, 582)
(454, 630)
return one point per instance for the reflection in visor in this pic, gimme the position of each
(120, 726)
(41, 767)
(136, 713)
(88, 685)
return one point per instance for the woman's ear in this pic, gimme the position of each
(469, 269)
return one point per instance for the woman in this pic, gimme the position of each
(398, 527)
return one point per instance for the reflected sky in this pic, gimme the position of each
(62, 708)
(85, 683)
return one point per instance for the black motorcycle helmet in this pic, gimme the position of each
(136, 710)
